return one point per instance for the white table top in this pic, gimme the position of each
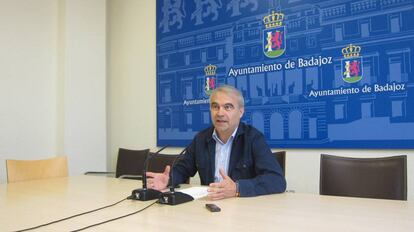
(31, 203)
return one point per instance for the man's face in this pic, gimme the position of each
(225, 112)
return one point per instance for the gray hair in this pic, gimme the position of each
(228, 89)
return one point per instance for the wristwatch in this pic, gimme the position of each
(237, 189)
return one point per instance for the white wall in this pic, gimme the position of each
(85, 85)
(132, 96)
(27, 80)
(131, 71)
(53, 82)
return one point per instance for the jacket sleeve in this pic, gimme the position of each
(185, 167)
(269, 177)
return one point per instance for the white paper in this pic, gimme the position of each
(196, 192)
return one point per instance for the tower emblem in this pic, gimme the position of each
(274, 41)
(210, 81)
(351, 64)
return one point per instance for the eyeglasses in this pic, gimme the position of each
(227, 107)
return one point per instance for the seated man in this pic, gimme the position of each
(231, 157)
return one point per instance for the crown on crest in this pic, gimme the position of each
(210, 70)
(351, 51)
(273, 19)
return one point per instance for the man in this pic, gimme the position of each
(231, 157)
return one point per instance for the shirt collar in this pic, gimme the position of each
(215, 136)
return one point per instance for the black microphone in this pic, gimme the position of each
(144, 193)
(172, 197)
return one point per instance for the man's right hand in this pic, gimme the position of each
(158, 181)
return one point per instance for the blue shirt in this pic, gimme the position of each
(223, 151)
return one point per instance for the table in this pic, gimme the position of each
(27, 204)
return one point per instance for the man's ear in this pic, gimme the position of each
(241, 112)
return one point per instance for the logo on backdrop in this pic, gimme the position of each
(274, 42)
(210, 83)
(351, 64)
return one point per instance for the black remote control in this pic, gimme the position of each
(213, 208)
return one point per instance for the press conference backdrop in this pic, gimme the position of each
(314, 74)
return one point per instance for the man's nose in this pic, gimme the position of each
(220, 111)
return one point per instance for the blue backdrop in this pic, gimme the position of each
(314, 74)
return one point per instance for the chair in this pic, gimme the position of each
(384, 178)
(129, 165)
(159, 161)
(24, 170)
(281, 158)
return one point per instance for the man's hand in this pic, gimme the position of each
(224, 189)
(158, 181)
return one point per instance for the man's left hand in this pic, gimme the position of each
(223, 189)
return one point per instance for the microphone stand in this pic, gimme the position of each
(144, 193)
(172, 197)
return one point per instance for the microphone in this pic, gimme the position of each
(144, 193)
(172, 197)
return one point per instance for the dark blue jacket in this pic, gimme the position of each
(251, 162)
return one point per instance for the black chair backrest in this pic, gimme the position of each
(281, 158)
(384, 178)
(159, 161)
(130, 162)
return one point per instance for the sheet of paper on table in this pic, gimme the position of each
(196, 192)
